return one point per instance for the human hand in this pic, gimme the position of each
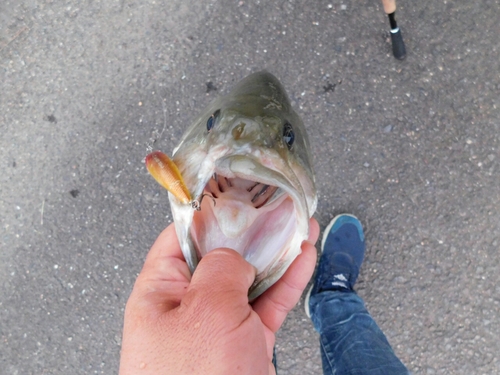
(178, 324)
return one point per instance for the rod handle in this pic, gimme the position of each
(398, 45)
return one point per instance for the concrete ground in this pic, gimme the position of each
(410, 147)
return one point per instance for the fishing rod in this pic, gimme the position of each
(398, 45)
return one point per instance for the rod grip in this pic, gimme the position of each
(398, 45)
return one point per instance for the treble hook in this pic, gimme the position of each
(196, 203)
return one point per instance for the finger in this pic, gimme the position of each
(313, 231)
(165, 260)
(164, 278)
(221, 281)
(270, 342)
(223, 269)
(272, 370)
(269, 334)
(166, 244)
(274, 305)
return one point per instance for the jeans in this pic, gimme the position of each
(351, 341)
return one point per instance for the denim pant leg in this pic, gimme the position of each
(351, 341)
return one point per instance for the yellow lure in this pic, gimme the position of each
(166, 173)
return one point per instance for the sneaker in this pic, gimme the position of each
(342, 252)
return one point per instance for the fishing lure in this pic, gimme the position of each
(166, 173)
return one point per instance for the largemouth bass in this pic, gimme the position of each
(246, 178)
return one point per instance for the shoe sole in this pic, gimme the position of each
(323, 240)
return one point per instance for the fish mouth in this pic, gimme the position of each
(254, 210)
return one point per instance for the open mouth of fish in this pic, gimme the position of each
(255, 194)
(253, 215)
(258, 194)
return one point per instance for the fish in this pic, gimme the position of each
(244, 175)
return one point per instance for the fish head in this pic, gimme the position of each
(246, 158)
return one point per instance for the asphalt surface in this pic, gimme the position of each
(410, 147)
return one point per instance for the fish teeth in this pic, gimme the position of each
(253, 186)
(260, 193)
(212, 187)
(277, 193)
(264, 196)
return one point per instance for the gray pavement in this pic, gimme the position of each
(411, 148)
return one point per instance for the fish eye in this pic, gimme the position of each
(211, 120)
(288, 135)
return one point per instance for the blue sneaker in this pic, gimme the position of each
(343, 250)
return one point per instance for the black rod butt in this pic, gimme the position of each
(398, 45)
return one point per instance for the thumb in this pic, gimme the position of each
(221, 281)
